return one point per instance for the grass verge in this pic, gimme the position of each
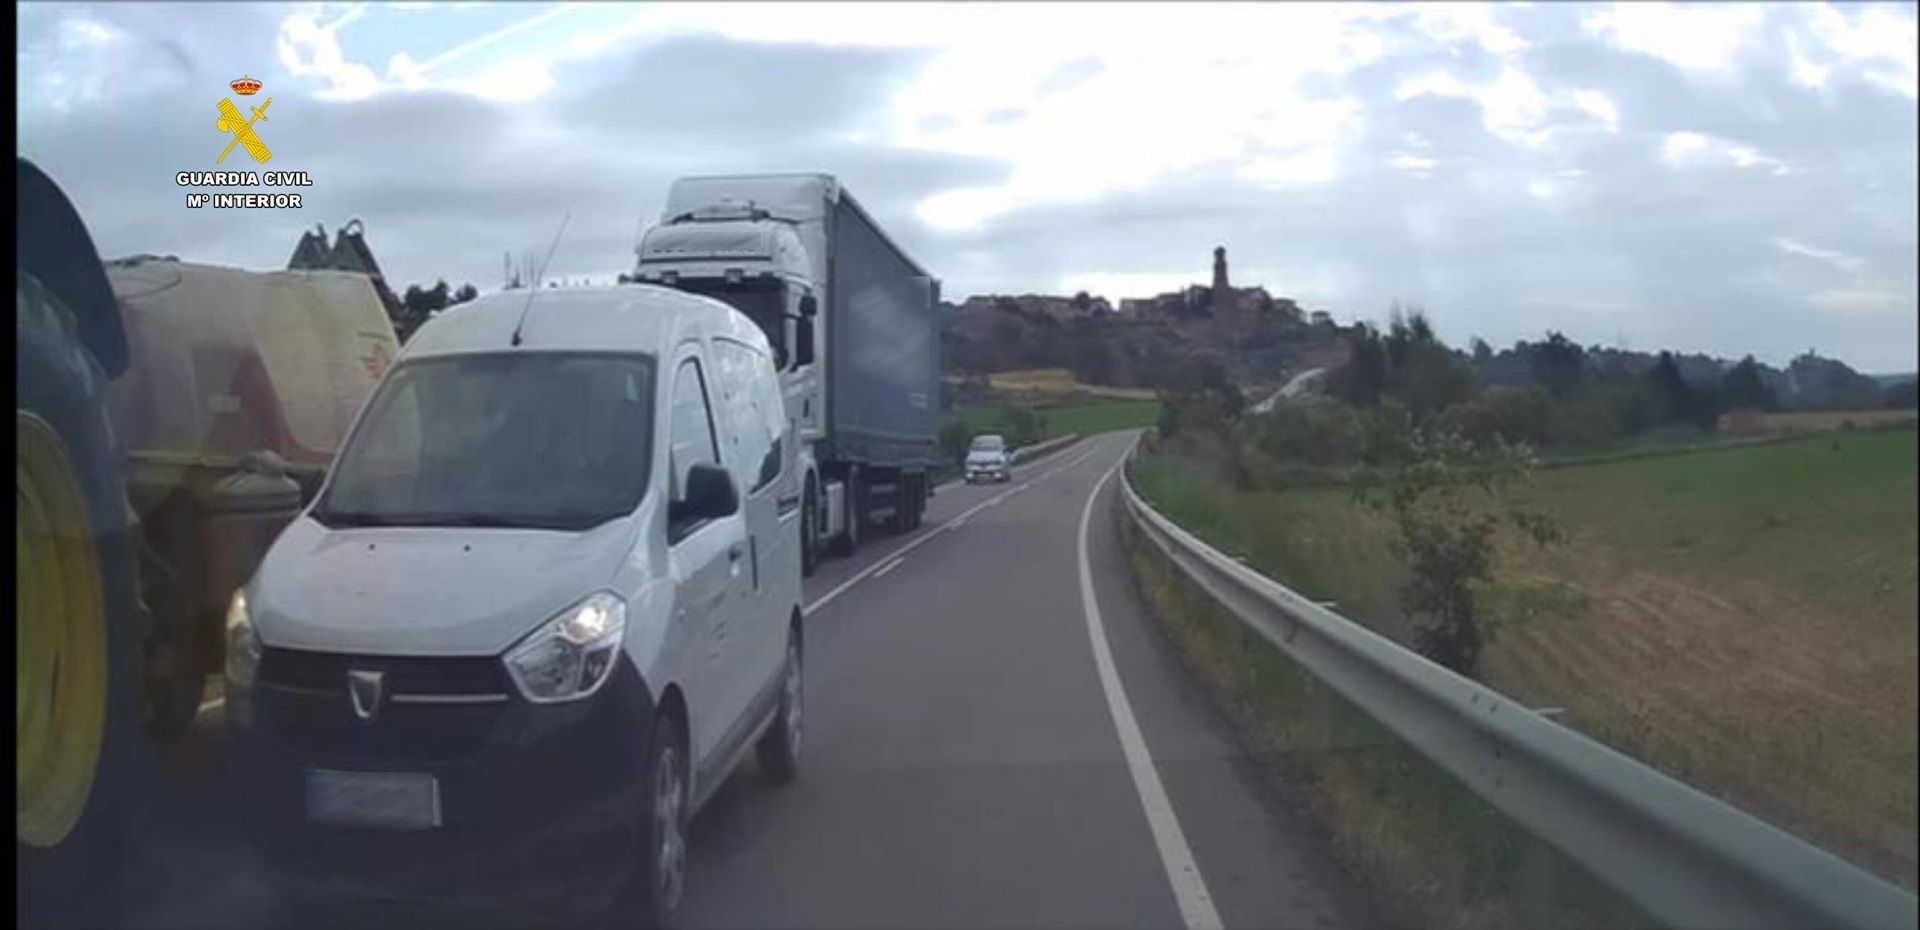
(1432, 852)
(1741, 618)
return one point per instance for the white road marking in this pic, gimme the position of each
(890, 566)
(212, 704)
(952, 524)
(1183, 873)
(903, 550)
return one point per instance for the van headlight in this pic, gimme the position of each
(243, 644)
(570, 656)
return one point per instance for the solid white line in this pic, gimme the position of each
(1183, 873)
(890, 566)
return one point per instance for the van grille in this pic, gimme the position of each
(303, 705)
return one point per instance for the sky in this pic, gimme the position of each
(1722, 178)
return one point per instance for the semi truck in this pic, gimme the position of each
(854, 323)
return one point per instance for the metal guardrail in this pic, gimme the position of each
(1689, 859)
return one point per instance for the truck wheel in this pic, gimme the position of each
(809, 533)
(905, 492)
(76, 614)
(855, 510)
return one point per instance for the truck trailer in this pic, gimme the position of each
(854, 323)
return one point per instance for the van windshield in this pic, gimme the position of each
(989, 444)
(536, 440)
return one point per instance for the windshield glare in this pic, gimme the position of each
(556, 441)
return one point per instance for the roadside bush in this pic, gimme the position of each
(1509, 416)
(1445, 499)
(1315, 431)
(954, 437)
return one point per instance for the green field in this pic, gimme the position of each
(1742, 618)
(1085, 419)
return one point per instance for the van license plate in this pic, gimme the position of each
(387, 800)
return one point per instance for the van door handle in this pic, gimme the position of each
(735, 551)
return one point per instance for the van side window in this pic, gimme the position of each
(755, 428)
(692, 436)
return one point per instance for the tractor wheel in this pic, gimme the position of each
(76, 622)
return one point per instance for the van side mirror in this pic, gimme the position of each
(803, 339)
(809, 306)
(709, 493)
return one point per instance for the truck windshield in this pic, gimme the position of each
(763, 300)
(551, 441)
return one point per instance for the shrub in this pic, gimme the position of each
(1314, 431)
(1504, 416)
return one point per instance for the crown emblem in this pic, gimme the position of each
(245, 87)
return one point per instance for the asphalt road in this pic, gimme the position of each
(984, 750)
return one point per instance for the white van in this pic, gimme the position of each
(547, 598)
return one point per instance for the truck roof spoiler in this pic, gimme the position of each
(724, 211)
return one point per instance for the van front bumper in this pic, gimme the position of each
(537, 803)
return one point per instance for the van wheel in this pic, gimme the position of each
(779, 747)
(663, 853)
(809, 533)
(78, 625)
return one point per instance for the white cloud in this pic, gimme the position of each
(1600, 107)
(1805, 71)
(1879, 41)
(1839, 260)
(1120, 285)
(1412, 163)
(1688, 149)
(309, 49)
(1432, 84)
(1853, 301)
(1697, 37)
(1512, 105)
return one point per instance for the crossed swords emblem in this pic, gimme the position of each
(243, 134)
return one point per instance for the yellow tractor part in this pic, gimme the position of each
(60, 631)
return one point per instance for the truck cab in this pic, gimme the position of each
(853, 323)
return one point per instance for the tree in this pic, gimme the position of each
(1743, 388)
(1363, 378)
(1482, 353)
(1559, 365)
(1445, 499)
(1093, 360)
(465, 293)
(954, 437)
(1673, 399)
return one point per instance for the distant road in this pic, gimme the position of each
(1299, 383)
(999, 736)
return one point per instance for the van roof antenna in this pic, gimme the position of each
(533, 288)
